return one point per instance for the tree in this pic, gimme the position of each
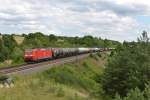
(117, 97)
(52, 37)
(36, 40)
(1, 51)
(106, 43)
(89, 41)
(135, 94)
(8, 45)
(144, 37)
(17, 55)
(9, 41)
(147, 92)
(128, 68)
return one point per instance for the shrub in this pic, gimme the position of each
(93, 56)
(17, 55)
(3, 78)
(68, 77)
(147, 92)
(134, 94)
(99, 54)
(60, 92)
(117, 97)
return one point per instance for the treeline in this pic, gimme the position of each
(40, 40)
(127, 75)
(11, 50)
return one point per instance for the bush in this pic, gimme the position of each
(60, 92)
(93, 56)
(2, 55)
(117, 97)
(3, 78)
(17, 55)
(68, 77)
(147, 92)
(135, 94)
(7, 44)
(99, 54)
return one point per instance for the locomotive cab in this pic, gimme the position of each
(28, 56)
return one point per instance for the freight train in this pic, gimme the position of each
(41, 54)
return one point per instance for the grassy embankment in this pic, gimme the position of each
(74, 81)
(19, 39)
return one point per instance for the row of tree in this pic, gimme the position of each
(40, 40)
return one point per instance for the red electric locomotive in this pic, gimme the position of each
(37, 54)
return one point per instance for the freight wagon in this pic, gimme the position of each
(39, 54)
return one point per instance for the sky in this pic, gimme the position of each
(112, 19)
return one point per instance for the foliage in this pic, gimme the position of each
(60, 92)
(36, 40)
(3, 78)
(17, 55)
(69, 77)
(147, 92)
(117, 97)
(94, 56)
(128, 68)
(2, 56)
(7, 44)
(9, 41)
(135, 94)
(99, 54)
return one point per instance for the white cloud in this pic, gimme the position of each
(113, 19)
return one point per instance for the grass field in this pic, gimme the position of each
(74, 81)
(19, 39)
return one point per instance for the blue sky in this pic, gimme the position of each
(143, 19)
(113, 19)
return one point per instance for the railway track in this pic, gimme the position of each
(26, 69)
